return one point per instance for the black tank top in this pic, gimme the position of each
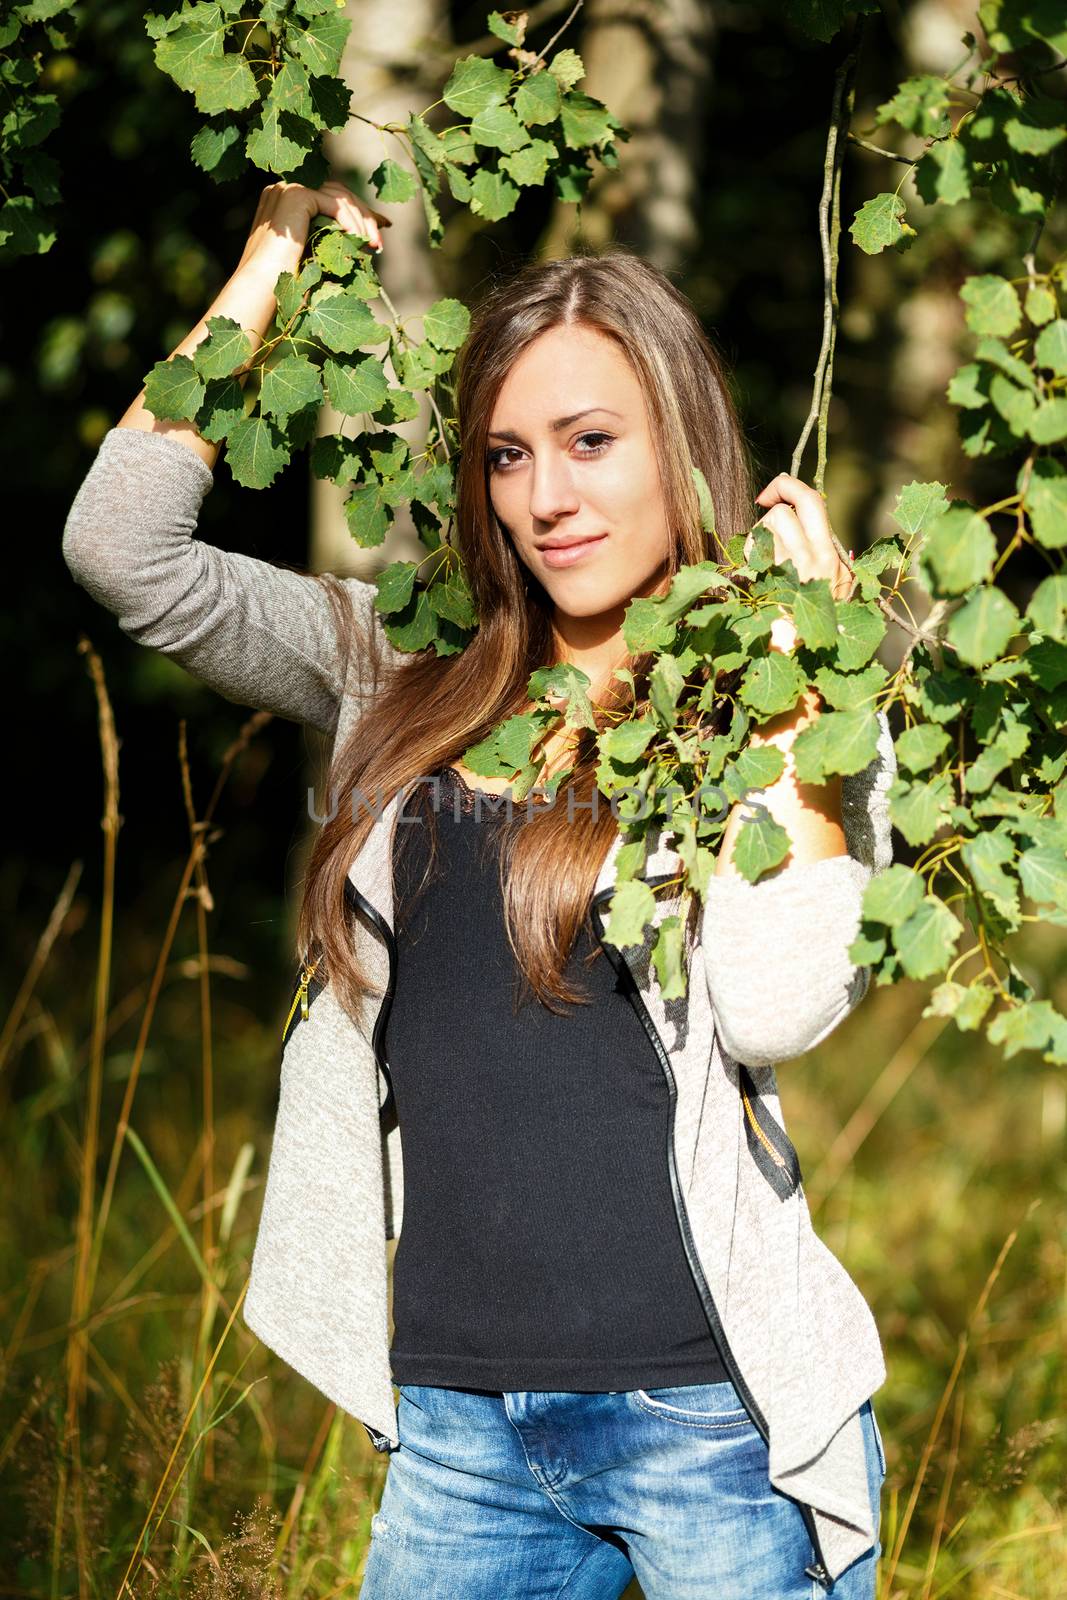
(539, 1247)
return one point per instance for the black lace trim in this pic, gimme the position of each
(454, 783)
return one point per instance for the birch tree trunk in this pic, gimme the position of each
(650, 60)
(385, 64)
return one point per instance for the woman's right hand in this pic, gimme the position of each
(279, 230)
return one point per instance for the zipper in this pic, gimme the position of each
(784, 1173)
(379, 1440)
(300, 998)
(378, 1035)
(817, 1569)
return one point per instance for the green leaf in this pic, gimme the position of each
(666, 682)
(757, 766)
(567, 68)
(628, 740)
(1040, 304)
(273, 148)
(395, 586)
(632, 908)
(1043, 871)
(918, 809)
(225, 83)
(866, 948)
(998, 354)
(451, 598)
(893, 896)
(367, 514)
(1031, 1025)
(1015, 405)
(847, 691)
(474, 85)
(981, 629)
(973, 1005)
(668, 958)
(991, 761)
(985, 858)
(772, 683)
(944, 173)
(421, 365)
(184, 54)
(222, 408)
(289, 386)
(704, 501)
(920, 746)
(992, 305)
(355, 386)
(1050, 347)
(879, 222)
(585, 121)
(837, 741)
(920, 105)
(321, 44)
(218, 151)
(493, 195)
(399, 406)
(393, 183)
(927, 940)
(499, 128)
(174, 390)
(530, 166)
(446, 324)
(860, 630)
(417, 631)
(959, 550)
(538, 99)
(969, 387)
(1048, 605)
(1049, 422)
(226, 348)
(815, 614)
(344, 323)
(511, 32)
(1045, 499)
(918, 504)
(943, 695)
(761, 844)
(256, 452)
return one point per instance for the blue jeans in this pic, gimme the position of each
(539, 1494)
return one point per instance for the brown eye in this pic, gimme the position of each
(601, 442)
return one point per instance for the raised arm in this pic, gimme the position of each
(257, 633)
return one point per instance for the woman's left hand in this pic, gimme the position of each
(798, 518)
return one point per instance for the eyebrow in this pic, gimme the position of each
(560, 422)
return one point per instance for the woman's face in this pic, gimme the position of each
(571, 459)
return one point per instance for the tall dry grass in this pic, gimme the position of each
(151, 1448)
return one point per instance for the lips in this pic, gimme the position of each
(565, 555)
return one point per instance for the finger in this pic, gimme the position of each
(364, 221)
(790, 541)
(807, 504)
(360, 205)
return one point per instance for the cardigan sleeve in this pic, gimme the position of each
(259, 634)
(776, 952)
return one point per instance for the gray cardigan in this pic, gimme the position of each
(769, 978)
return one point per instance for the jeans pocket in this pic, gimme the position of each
(694, 1405)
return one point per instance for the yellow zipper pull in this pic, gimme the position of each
(301, 996)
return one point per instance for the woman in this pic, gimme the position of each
(620, 1346)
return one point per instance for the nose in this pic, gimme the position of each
(552, 489)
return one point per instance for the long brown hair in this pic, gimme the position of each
(432, 708)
